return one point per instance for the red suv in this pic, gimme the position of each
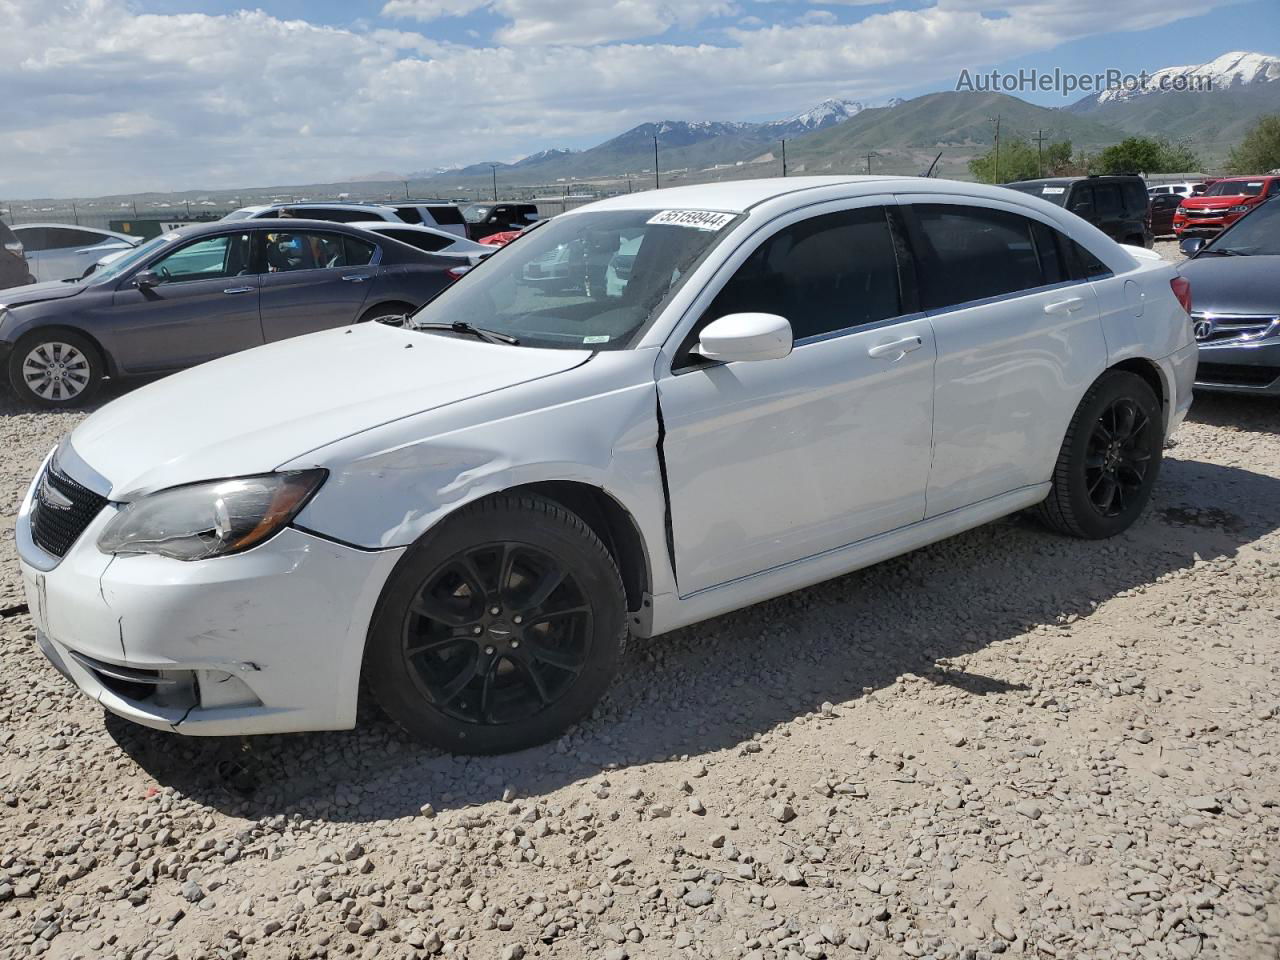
(1225, 202)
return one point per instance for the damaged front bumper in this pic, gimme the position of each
(267, 641)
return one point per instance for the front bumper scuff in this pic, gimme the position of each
(267, 641)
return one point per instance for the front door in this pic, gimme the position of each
(315, 280)
(205, 305)
(770, 462)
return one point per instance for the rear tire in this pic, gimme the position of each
(1109, 460)
(55, 369)
(499, 629)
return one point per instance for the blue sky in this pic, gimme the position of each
(125, 95)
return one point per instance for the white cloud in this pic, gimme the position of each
(100, 99)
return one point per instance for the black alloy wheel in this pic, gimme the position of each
(499, 629)
(1109, 459)
(1119, 456)
(497, 633)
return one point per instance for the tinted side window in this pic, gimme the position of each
(1106, 199)
(409, 214)
(824, 274)
(429, 242)
(971, 253)
(1135, 200)
(1081, 202)
(358, 252)
(62, 238)
(1083, 264)
(1049, 249)
(34, 239)
(446, 216)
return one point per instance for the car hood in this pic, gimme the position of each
(1215, 203)
(38, 293)
(1247, 285)
(251, 412)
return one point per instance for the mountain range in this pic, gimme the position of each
(904, 135)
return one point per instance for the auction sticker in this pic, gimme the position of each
(1054, 191)
(698, 219)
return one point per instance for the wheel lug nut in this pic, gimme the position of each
(515, 644)
(495, 610)
(517, 619)
(477, 630)
(488, 651)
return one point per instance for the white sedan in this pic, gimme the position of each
(789, 380)
(60, 251)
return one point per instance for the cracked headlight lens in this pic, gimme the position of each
(210, 519)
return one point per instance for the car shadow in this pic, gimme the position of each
(1236, 412)
(718, 685)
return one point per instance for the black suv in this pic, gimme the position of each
(13, 260)
(486, 219)
(1116, 205)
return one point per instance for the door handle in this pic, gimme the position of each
(238, 290)
(356, 278)
(896, 348)
(1070, 305)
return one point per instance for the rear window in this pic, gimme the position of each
(446, 215)
(429, 242)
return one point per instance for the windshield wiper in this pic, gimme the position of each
(459, 326)
(1226, 252)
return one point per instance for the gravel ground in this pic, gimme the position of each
(1009, 742)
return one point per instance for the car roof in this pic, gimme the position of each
(267, 223)
(72, 226)
(739, 196)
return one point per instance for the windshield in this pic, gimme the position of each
(135, 256)
(593, 280)
(1255, 235)
(1235, 188)
(1054, 193)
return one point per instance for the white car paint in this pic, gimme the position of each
(773, 483)
(453, 244)
(63, 251)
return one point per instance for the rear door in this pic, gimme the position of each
(314, 280)
(205, 306)
(1018, 338)
(69, 250)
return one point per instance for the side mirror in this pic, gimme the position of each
(146, 279)
(1191, 246)
(745, 336)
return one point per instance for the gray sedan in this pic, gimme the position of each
(1235, 292)
(204, 292)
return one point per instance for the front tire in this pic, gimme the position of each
(55, 369)
(1109, 460)
(498, 630)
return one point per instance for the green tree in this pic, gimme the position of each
(1057, 158)
(1147, 155)
(1019, 160)
(1260, 149)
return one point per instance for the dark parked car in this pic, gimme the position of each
(1163, 207)
(203, 292)
(1116, 205)
(1235, 284)
(14, 271)
(485, 219)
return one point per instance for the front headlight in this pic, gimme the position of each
(210, 519)
(1240, 208)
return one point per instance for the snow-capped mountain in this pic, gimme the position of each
(1230, 70)
(544, 156)
(894, 102)
(826, 114)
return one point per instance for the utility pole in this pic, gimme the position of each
(784, 157)
(869, 157)
(656, 182)
(406, 188)
(1039, 138)
(188, 203)
(995, 174)
(493, 168)
(135, 208)
(74, 214)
